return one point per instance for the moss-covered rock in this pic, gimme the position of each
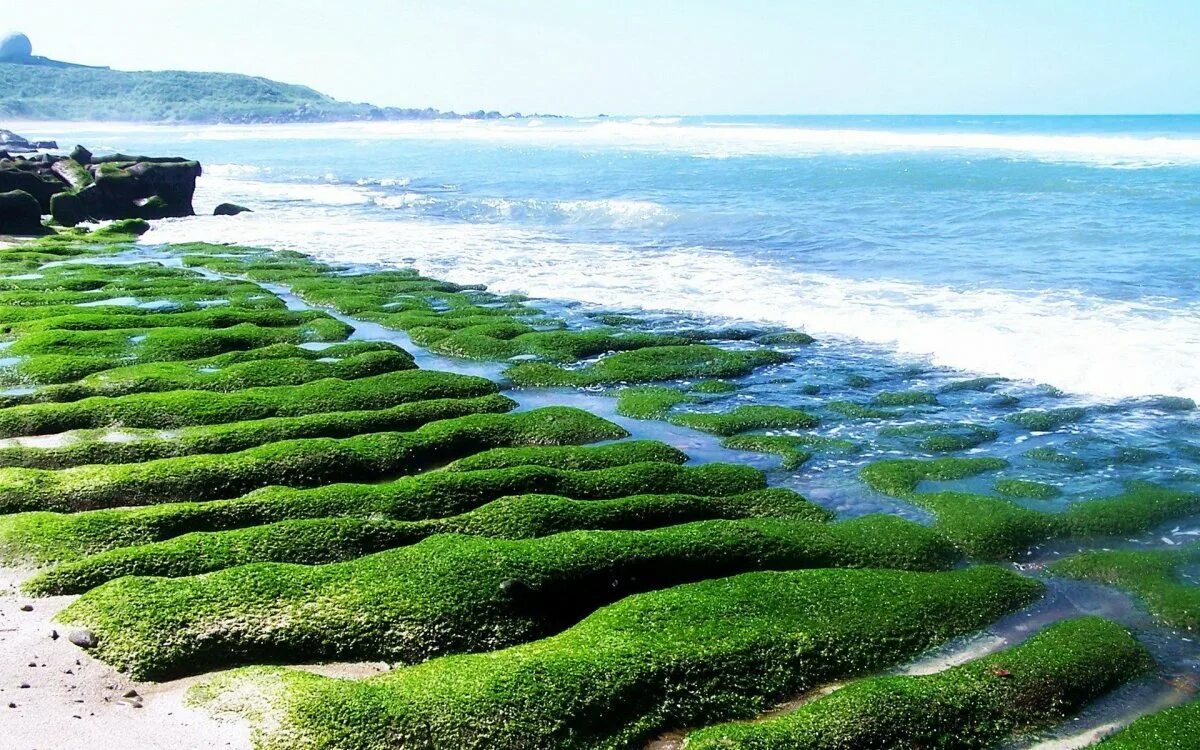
(1152, 575)
(1173, 729)
(746, 418)
(648, 663)
(297, 463)
(648, 365)
(328, 540)
(976, 705)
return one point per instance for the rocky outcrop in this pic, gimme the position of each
(20, 214)
(84, 187)
(15, 144)
(229, 209)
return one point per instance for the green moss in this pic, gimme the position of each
(449, 591)
(613, 319)
(713, 386)
(328, 540)
(973, 384)
(745, 418)
(574, 457)
(1027, 489)
(136, 446)
(942, 437)
(859, 411)
(786, 338)
(979, 704)
(171, 409)
(53, 537)
(649, 402)
(1152, 575)
(1173, 403)
(905, 398)
(1173, 729)
(794, 449)
(1046, 420)
(994, 528)
(648, 365)
(900, 477)
(648, 663)
(1053, 456)
(298, 463)
(281, 364)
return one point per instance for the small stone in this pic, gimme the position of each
(12, 705)
(24, 685)
(33, 663)
(54, 635)
(68, 671)
(131, 693)
(26, 607)
(83, 638)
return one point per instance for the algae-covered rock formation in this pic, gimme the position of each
(221, 456)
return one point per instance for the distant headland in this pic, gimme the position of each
(38, 88)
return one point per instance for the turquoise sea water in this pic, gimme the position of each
(1064, 250)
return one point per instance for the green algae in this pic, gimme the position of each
(43, 537)
(448, 593)
(136, 446)
(905, 398)
(1053, 456)
(995, 528)
(973, 384)
(744, 419)
(1151, 575)
(574, 457)
(942, 437)
(977, 705)
(713, 387)
(327, 540)
(1172, 729)
(1046, 420)
(298, 463)
(645, 664)
(1028, 489)
(173, 409)
(786, 338)
(279, 364)
(648, 365)
(795, 450)
(854, 410)
(650, 402)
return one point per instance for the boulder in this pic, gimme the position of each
(81, 155)
(20, 214)
(67, 209)
(230, 209)
(174, 183)
(73, 173)
(22, 175)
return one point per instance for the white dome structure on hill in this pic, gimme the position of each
(15, 46)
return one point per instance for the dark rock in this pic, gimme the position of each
(67, 209)
(131, 693)
(15, 143)
(81, 155)
(24, 607)
(54, 635)
(229, 209)
(516, 589)
(20, 214)
(83, 638)
(73, 173)
(22, 175)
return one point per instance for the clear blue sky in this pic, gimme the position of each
(666, 56)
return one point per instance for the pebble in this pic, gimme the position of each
(82, 638)
(26, 607)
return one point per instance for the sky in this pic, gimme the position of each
(668, 57)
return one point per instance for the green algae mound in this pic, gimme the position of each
(645, 664)
(978, 704)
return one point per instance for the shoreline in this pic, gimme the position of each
(165, 700)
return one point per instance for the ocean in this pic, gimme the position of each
(1060, 250)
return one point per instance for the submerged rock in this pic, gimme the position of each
(230, 209)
